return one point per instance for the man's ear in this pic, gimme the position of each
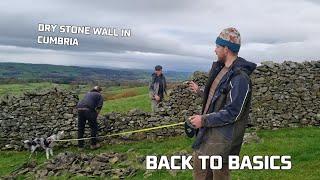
(226, 50)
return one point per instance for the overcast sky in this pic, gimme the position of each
(177, 34)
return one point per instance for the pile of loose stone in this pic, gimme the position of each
(82, 164)
(108, 164)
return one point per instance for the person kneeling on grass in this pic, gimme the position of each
(88, 109)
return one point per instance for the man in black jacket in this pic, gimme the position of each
(88, 109)
(226, 104)
(157, 87)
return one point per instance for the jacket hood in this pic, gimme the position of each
(244, 65)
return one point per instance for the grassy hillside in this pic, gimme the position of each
(301, 144)
(117, 98)
(125, 104)
(18, 89)
(11, 72)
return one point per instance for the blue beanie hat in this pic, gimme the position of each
(230, 37)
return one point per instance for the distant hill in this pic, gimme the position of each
(22, 72)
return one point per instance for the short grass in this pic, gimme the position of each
(126, 104)
(124, 92)
(302, 144)
(124, 99)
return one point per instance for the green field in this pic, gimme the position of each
(18, 89)
(117, 98)
(123, 99)
(125, 104)
(25, 72)
(302, 144)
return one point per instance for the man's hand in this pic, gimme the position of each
(196, 121)
(193, 86)
(157, 97)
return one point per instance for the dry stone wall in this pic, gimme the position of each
(36, 114)
(284, 95)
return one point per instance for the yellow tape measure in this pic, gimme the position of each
(124, 133)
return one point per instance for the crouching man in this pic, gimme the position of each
(88, 109)
(226, 104)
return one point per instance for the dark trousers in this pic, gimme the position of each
(209, 174)
(91, 116)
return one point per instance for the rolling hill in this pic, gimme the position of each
(22, 72)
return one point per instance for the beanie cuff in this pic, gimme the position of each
(232, 46)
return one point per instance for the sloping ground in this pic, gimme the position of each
(117, 98)
(21, 72)
(302, 144)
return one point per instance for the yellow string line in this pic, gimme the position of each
(124, 133)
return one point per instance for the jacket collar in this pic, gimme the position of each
(244, 65)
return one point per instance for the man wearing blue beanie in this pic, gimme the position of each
(230, 38)
(226, 103)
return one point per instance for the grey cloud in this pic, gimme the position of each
(168, 31)
(135, 60)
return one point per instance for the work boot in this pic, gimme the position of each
(96, 146)
(80, 148)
